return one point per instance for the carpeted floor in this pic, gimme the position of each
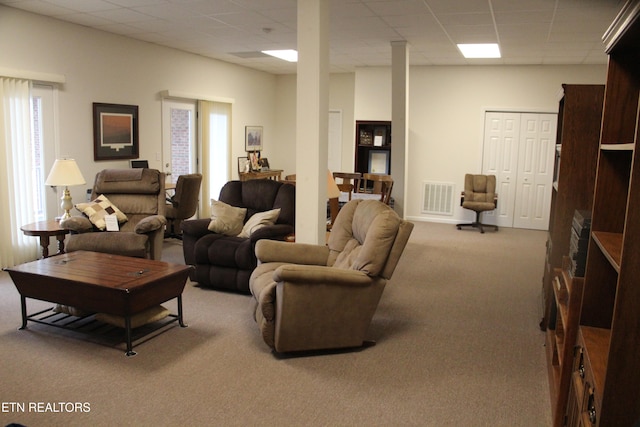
(457, 334)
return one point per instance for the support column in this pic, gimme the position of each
(312, 120)
(399, 122)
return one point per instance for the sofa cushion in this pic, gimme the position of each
(259, 220)
(97, 209)
(226, 219)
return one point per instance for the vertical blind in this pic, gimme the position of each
(16, 177)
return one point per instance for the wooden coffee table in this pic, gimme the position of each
(100, 283)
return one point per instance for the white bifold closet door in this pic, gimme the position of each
(519, 149)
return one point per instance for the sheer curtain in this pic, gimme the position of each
(16, 178)
(215, 132)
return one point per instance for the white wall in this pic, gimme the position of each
(102, 67)
(445, 116)
(341, 97)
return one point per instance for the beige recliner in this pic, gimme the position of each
(315, 297)
(140, 195)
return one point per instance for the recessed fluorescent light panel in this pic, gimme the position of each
(480, 50)
(287, 54)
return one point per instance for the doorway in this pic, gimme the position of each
(334, 154)
(519, 150)
(178, 138)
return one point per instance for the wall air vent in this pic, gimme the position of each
(437, 198)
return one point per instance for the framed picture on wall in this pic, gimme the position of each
(253, 138)
(115, 131)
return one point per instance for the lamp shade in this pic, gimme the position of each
(333, 191)
(65, 172)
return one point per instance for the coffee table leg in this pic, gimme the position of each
(127, 327)
(180, 318)
(23, 308)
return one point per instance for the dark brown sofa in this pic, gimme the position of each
(226, 262)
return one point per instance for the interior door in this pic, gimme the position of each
(535, 171)
(519, 150)
(178, 138)
(500, 158)
(334, 157)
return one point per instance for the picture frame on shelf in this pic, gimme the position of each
(264, 163)
(365, 137)
(379, 162)
(254, 161)
(243, 165)
(380, 136)
(115, 131)
(253, 138)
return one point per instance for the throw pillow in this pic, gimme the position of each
(226, 219)
(259, 220)
(149, 315)
(98, 208)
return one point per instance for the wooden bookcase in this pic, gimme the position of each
(606, 385)
(561, 337)
(373, 143)
(578, 139)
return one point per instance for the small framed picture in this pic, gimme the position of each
(380, 136)
(379, 161)
(243, 165)
(254, 161)
(253, 138)
(264, 163)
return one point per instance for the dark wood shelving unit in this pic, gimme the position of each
(605, 386)
(561, 337)
(578, 140)
(373, 138)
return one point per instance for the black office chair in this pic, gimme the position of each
(183, 204)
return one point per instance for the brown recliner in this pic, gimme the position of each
(315, 297)
(479, 196)
(183, 204)
(140, 195)
(226, 261)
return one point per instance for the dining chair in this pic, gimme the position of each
(348, 181)
(375, 183)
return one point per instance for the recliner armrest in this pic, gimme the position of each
(150, 223)
(77, 224)
(196, 227)
(273, 232)
(295, 253)
(307, 274)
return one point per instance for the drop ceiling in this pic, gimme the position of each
(543, 32)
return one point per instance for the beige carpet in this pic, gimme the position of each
(457, 334)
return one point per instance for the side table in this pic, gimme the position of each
(44, 230)
(272, 174)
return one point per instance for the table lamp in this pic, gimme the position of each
(65, 172)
